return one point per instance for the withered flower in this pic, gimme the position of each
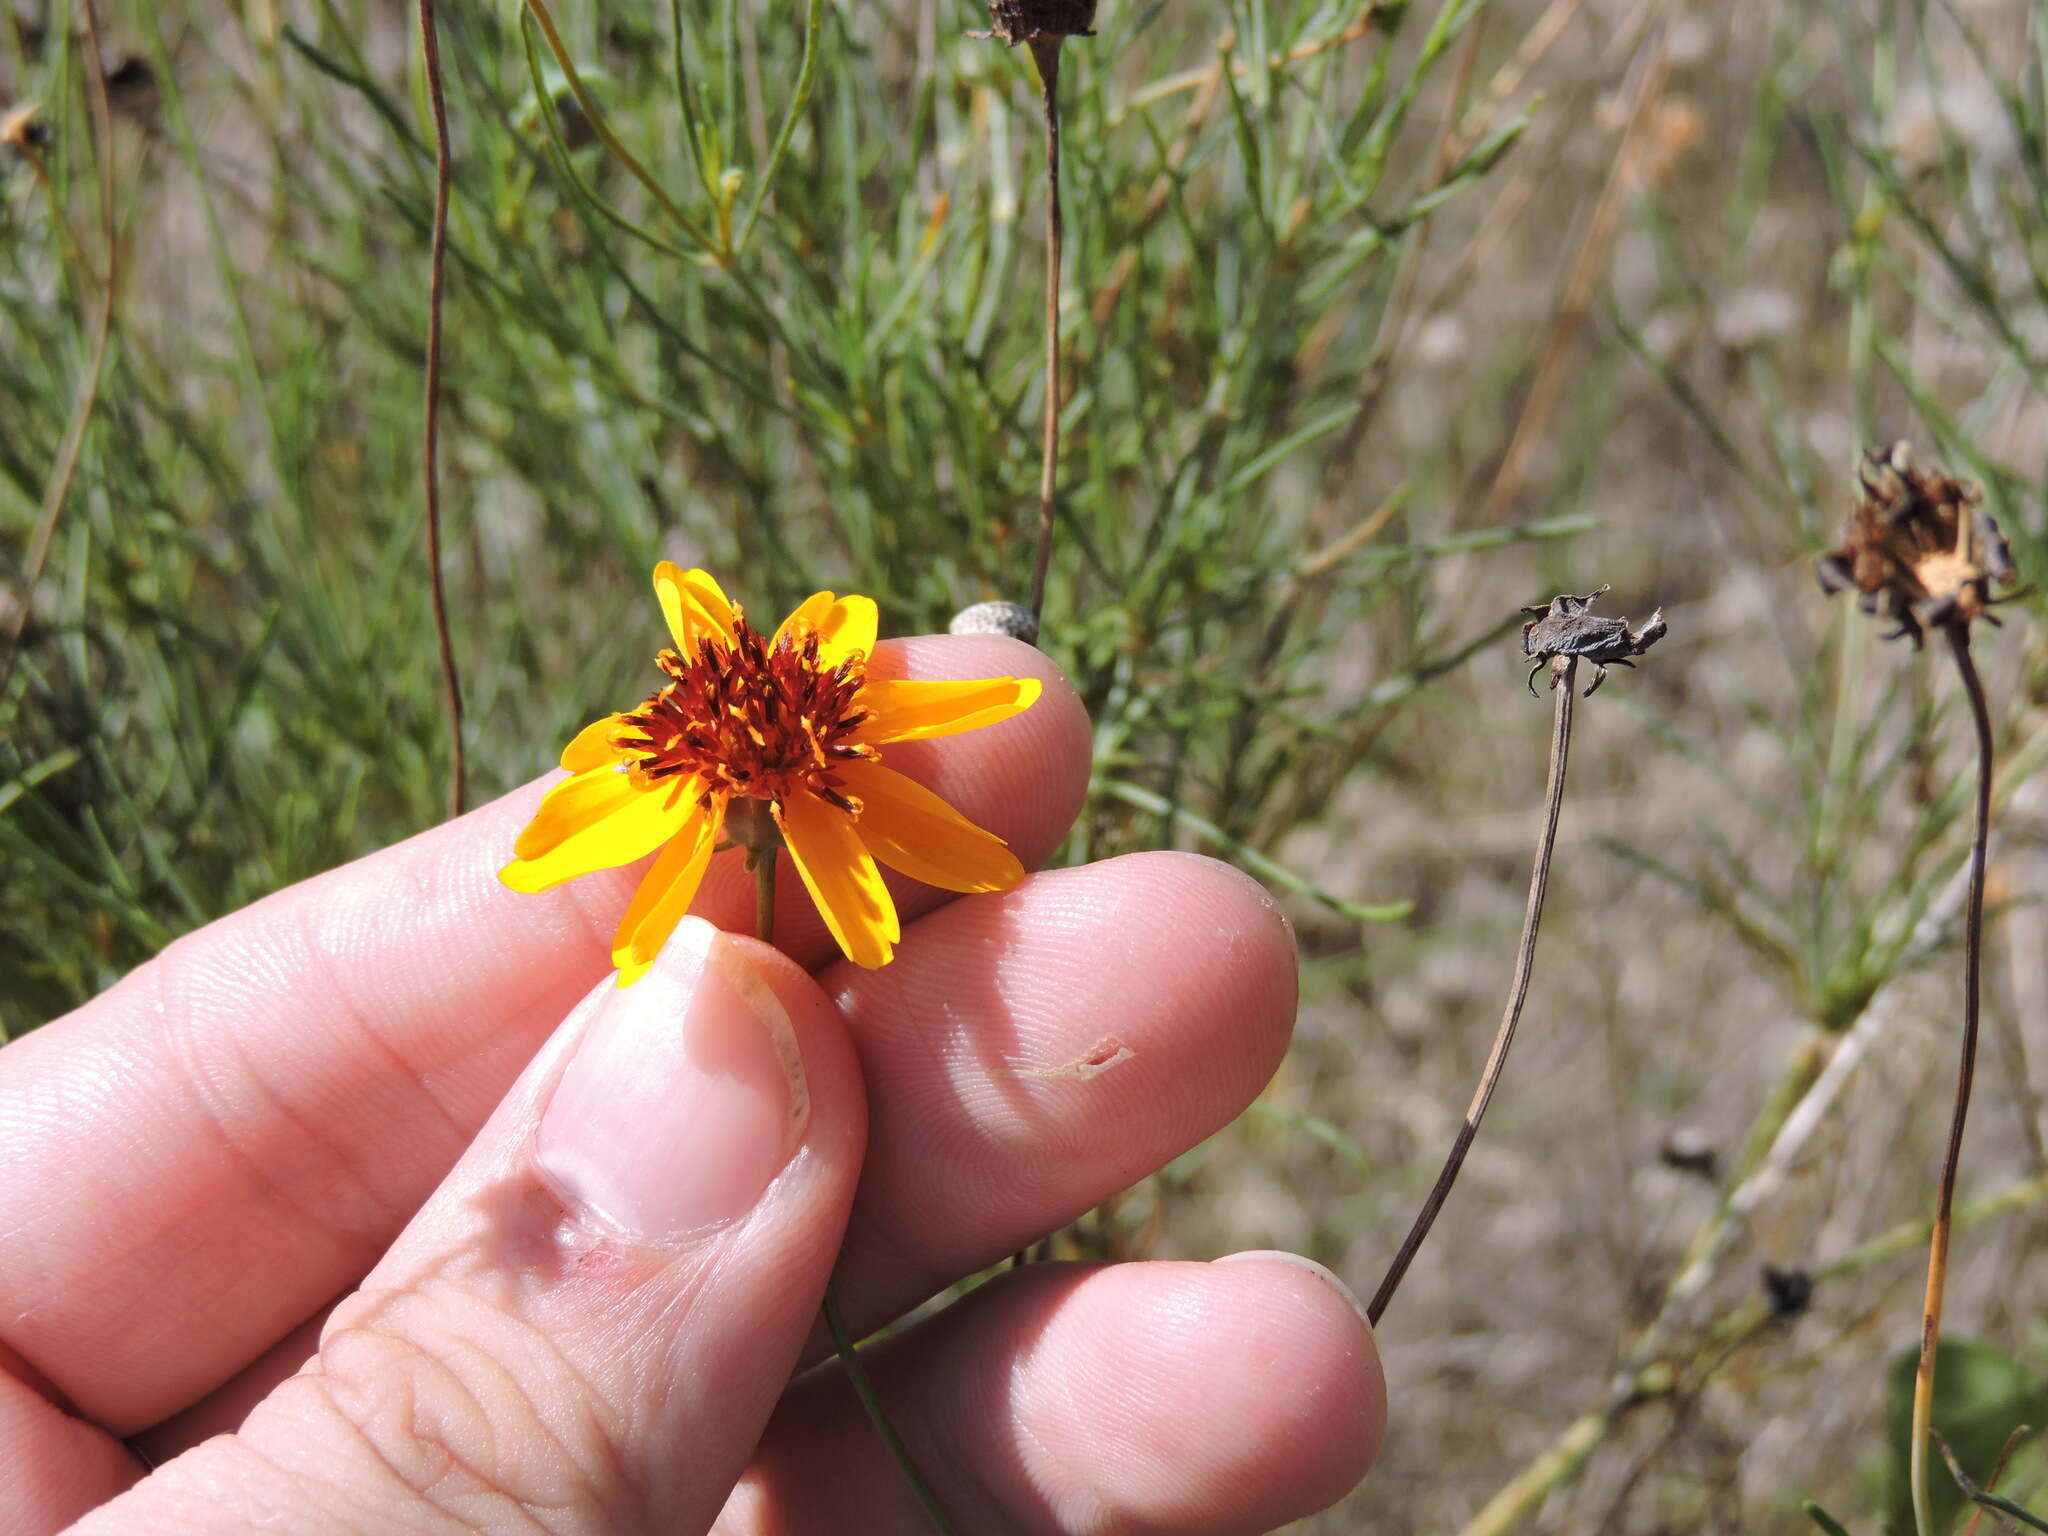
(23, 128)
(1919, 549)
(1564, 627)
(1019, 21)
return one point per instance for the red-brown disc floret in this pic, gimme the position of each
(756, 718)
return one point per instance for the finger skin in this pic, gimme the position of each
(66, 1466)
(1194, 1399)
(194, 1163)
(1032, 1054)
(518, 1361)
(1027, 1055)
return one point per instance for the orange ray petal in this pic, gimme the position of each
(596, 820)
(592, 746)
(911, 829)
(809, 613)
(841, 877)
(844, 625)
(904, 710)
(695, 606)
(664, 896)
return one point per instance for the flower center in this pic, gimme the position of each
(751, 719)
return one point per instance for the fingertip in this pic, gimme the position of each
(1154, 1396)
(1335, 1330)
(1235, 936)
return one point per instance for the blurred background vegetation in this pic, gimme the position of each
(1383, 319)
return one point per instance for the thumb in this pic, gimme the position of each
(587, 1325)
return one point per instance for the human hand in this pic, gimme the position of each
(580, 1246)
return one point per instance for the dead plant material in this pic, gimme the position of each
(1564, 636)
(1922, 553)
(1565, 627)
(430, 424)
(1045, 24)
(1020, 21)
(1919, 550)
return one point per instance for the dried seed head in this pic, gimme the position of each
(1918, 549)
(1018, 21)
(23, 128)
(1564, 627)
(996, 618)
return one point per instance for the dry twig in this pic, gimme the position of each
(1564, 635)
(430, 426)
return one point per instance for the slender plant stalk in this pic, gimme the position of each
(764, 896)
(430, 425)
(1518, 990)
(762, 861)
(57, 489)
(1046, 52)
(864, 1389)
(1973, 964)
(611, 141)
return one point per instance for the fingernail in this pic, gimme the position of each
(1327, 1276)
(684, 1098)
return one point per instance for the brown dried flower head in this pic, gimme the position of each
(23, 128)
(1919, 550)
(1019, 21)
(1566, 627)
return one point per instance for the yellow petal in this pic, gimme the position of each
(911, 829)
(841, 877)
(695, 606)
(808, 614)
(592, 746)
(664, 896)
(844, 625)
(904, 710)
(596, 820)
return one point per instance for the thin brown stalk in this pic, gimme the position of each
(57, 489)
(1562, 676)
(1973, 964)
(430, 427)
(1046, 52)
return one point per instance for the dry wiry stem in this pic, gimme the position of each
(430, 429)
(1973, 963)
(58, 488)
(1046, 51)
(1563, 671)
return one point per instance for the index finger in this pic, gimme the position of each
(195, 1162)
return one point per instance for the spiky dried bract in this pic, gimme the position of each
(1564, 627)
(1918, 549)
(1018, 21)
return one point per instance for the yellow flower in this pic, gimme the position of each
(791, 720)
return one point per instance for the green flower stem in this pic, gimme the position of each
(864, 1389)
(762, 862)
